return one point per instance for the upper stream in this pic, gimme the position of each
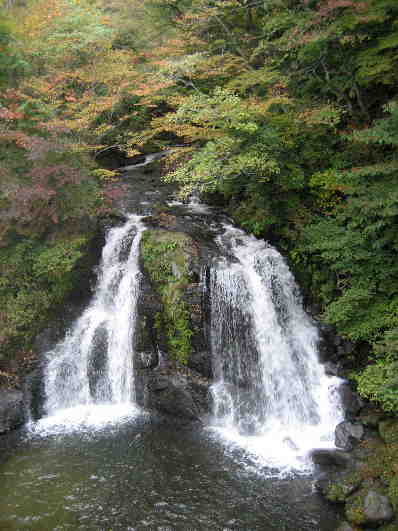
(98, 461)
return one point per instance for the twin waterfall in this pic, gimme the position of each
(271, 394)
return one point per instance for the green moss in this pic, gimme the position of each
(354, 508)
(388, 430)
(393, 492)
(166, 257)
(339, 491)
(393, 526)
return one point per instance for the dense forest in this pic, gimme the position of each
(283, 112)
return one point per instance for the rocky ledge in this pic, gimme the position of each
(361, 475)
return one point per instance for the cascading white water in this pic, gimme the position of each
(271, 392)
(89, 375)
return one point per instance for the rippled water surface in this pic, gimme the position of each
(141, 475)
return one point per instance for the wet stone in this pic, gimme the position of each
(12, 410)
(348, 434)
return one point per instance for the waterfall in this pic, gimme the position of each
(271, 393)
(89, 374)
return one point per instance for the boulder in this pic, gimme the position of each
(183, 395)
(377, 508)
(369, 508)
(12, 410)
(348, 434)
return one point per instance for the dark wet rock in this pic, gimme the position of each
(351, 402)
(12, 409)
(333, 347)
(183, 395)
(331, 369)
(201, 362)
(34, 393)
(369, 507)
(331, 458)
(348, 434)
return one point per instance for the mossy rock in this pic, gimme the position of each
(167, 258)
(338, 490)
(388, 430)
(369, 507)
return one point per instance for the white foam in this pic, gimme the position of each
(83, 418)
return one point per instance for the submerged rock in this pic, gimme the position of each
(12, 410)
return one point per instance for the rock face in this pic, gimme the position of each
(12, 410)
(333, 348)
(351, 402)
(348, 434)
(172, 358)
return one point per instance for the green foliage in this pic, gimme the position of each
(379, 382)
(11, 62)
(35, 278)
